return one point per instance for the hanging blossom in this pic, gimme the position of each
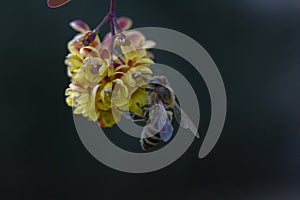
(101, 79)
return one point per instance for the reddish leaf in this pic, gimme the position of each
(57, 3)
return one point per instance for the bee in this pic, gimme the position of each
(158, 126)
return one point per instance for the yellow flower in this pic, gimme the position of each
(104, 85)
(83, 100)
(104, 97)
(121, 90)
(74, 59)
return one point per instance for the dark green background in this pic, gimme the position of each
(255, 44)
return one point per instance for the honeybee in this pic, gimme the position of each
(158, 126)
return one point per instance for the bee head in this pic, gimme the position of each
(158, 80)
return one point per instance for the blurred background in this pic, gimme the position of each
(255, 44)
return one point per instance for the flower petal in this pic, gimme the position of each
(149, 44)
(106, 88)
(124, 23)
(111, 71)
(107, 39)
(105, 54)
(79, 26)
(137, 38)
(145, 61)
(121, 94)
(103, 71)
(89, 51)
(127, 78)
(94, 113)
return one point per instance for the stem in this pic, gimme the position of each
(106, 19)
(109, 17)
(114, 27)
(112, 6)
(115, 24)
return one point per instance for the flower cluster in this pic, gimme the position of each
(102, 80)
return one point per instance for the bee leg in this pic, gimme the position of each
(146, 106)
(146, 114)
(134, 116)
(149, 90)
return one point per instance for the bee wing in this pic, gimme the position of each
(184, 120)
(167, 131)
(158, 123)
(157, 116)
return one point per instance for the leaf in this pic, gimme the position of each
(57, 3)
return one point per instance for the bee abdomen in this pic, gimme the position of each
(149, 142)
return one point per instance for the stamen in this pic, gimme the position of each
(91, 37)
